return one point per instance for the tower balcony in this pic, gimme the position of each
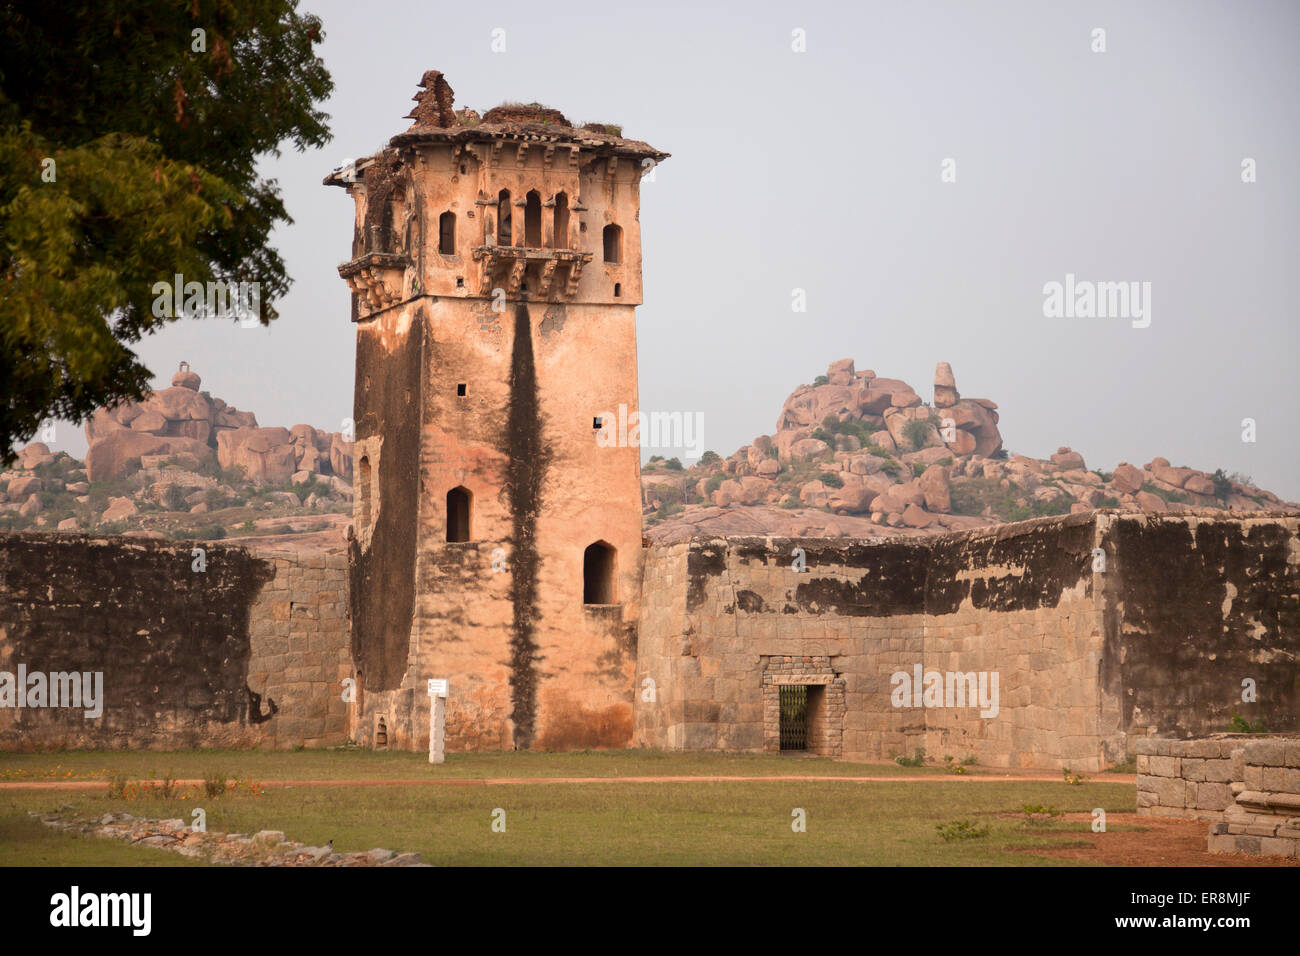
(549, 272)
(376, 278)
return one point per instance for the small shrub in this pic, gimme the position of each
(918, 469)
(1036, 811)
(117, 786)
(667, 510)
(1240, 725)
(916, 760)
(173, 498)
(1072, 778)
(917, 433)
(305, 489)
(961, 830)
(831, 479)
(167, 789)
(709, 458)
(214, 783)
(821, 380)
(1222, 484)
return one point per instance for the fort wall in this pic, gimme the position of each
(1098, 628)
(1069, 641)
(250, 652)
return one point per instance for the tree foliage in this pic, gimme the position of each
(129, 145)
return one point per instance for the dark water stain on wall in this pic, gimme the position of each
(892, 580)
(382, 578)
(1016, 568)
(528, 458)
(1173, 654)
(704, 563)
(1009, 569)
(172, 643)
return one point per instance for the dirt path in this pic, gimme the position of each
(541, 781)
(1163, 841)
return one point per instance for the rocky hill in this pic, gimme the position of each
(852, 455)
(183, 464)
(858, 455)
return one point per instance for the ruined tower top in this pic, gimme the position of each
(516, 201)
(436, 120)
(433, 104)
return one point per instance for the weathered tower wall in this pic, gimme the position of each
(495, 325)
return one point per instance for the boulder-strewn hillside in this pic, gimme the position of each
(856, 455)
(192, 427)
(184, 464)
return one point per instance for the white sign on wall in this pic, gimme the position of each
(437, 687)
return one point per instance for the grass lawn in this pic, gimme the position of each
(884, 823)
(358, 763)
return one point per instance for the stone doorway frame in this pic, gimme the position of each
(825, 710)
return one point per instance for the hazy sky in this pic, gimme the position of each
(821, 171)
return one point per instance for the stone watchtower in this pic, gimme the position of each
(495, 269)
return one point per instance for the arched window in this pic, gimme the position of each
(459, 505)
(447, 234)
(560, 238)
(363, 489)
(613, 243)
(533, 219)
(503, 218)
(598, 574)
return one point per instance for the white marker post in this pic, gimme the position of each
(437, 719)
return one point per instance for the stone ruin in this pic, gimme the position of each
(1246, 785)
(496, 544)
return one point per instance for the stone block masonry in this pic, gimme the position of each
(250, 652)
(1264, 816)
(300, 652)
(1086, 632)
(1020, 645)
(1191, 779)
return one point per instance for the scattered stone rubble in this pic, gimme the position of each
(264, 848)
